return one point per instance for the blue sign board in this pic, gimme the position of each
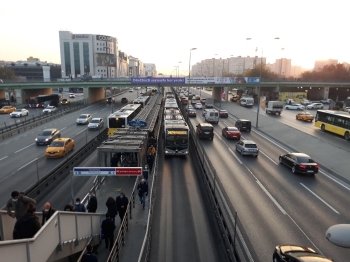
(158, 80)
(94, 171)
(137, 123)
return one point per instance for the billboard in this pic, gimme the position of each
(222, 80)
(157, 80)
(104, 38)
(105, 60)
(81, 36)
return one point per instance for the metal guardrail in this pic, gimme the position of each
(71, 161)
(18, 127)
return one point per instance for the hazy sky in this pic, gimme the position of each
(163, 32)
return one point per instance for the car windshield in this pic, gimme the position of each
(83, 116)
(303, 159)
(49, 107)
(18, 110)
(6, 107)
(250, 146)
(45, 133)
(95, 121)
(57, 144)
(223, 111)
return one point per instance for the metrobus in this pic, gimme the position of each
(142, 100)
(176, 137)
(122, 117)
(337, 122)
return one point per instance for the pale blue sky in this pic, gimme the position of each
(163, 32)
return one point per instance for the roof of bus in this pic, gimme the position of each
(335, 112)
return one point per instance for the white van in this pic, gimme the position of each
(246, 101)
(211, 115)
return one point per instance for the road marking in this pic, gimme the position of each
(27, 164)
(3, 158)
(273, 161)
(335, 180)
(272, 198)
(104, 109)
(233, 153)
(24, 148)
(63, 128)
(80, 132)
(319, 198)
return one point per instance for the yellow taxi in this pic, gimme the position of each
(7, 109)
(305, 116)
(59, 147)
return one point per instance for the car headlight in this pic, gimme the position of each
(47, 139)
(36, 139)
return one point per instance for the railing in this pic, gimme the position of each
(30, 122)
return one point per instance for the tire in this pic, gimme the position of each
(297, 118)
(211, 138)
(241, 152)
(293, 170)
(347, 136)
(280, 160)
(323, 128)
(287, 108)
(249, 130)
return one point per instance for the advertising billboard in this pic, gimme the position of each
(157, 80)
(104, 38)
(105, 60)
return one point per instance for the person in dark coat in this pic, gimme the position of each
(92, 203)
(150, 160)
(19, 203)
(79, 207)
(108, 230)
(89, 257)
(122, 204)
(69, 207)
(27, 225)
(114, 161)
(111, 208)
(47, 212)
(143, 191)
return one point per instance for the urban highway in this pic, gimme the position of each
(274, 206)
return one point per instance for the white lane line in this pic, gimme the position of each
(273, 142)
(103, 109)
(27, 164)
(3, 158)
(273, 161)
(63, 128)
(272, 198)
(217, 135)
(319, 198)
(339, 182)
(229, 149)
(24, 148)
(80, 132)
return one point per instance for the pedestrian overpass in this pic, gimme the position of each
(95, 90)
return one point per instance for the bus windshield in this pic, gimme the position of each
(117, 122)
(176, 139)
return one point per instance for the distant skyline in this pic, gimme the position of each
(163, 32)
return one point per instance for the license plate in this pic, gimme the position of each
(310, 171)
(206, 133)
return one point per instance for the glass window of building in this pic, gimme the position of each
(67, 58)
(76, 58)
(86, 57)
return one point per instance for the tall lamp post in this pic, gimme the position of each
(259, 86)
(178, 69)
(189, 69)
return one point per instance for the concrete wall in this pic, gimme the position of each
(94, 94)
(27, 93)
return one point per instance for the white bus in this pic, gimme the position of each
(176, 137)
(122, 117)
(142, 100)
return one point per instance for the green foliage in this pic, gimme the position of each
(329, 73)
(6, 73)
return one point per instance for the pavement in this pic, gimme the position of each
(112, 187)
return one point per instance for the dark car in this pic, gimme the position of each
(205, 130)
(47, 136)
(4, 103)
(299, 163)
(192, 113)
(110, 100)
(209, 106)
(86, 78)
(223, 113)
(243, 124)
(124, 100)
(297, 253)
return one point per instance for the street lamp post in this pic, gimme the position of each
(259, 86)
(189, 69)
(178, 69)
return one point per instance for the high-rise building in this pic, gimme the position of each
(88, 54)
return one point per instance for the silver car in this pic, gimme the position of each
(315, 106)
(83, 119)
(96, 123)
(247, 147)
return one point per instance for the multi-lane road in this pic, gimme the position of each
(274, 205)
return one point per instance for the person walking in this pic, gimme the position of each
(114, 161)
(111, 208)
(92, 203)
(69, 207)
(143, 191)
(108, 227)
(79, 207)
(151, 150)
(47, 212)
(19, 203)
(145, 173)
(27, 225)
(150, 160)
(122, 204)
(89, 256)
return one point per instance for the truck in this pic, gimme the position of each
(274, 107)
(39, 101)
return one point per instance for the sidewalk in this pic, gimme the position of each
(112, 187)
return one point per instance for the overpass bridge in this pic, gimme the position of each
(95, 90)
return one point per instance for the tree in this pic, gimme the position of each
(265, 72)
(336, 72)
(7, 73)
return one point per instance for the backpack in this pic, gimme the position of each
(79, 208)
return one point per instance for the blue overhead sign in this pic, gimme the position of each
(137, 123)
(158, 80)
(94, 171)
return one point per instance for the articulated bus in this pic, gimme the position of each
(122, 117)
(142, 100)
(337, 122)
(176, 137)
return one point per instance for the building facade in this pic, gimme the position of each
(150, 70)
(321, 63)
(88, 54)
